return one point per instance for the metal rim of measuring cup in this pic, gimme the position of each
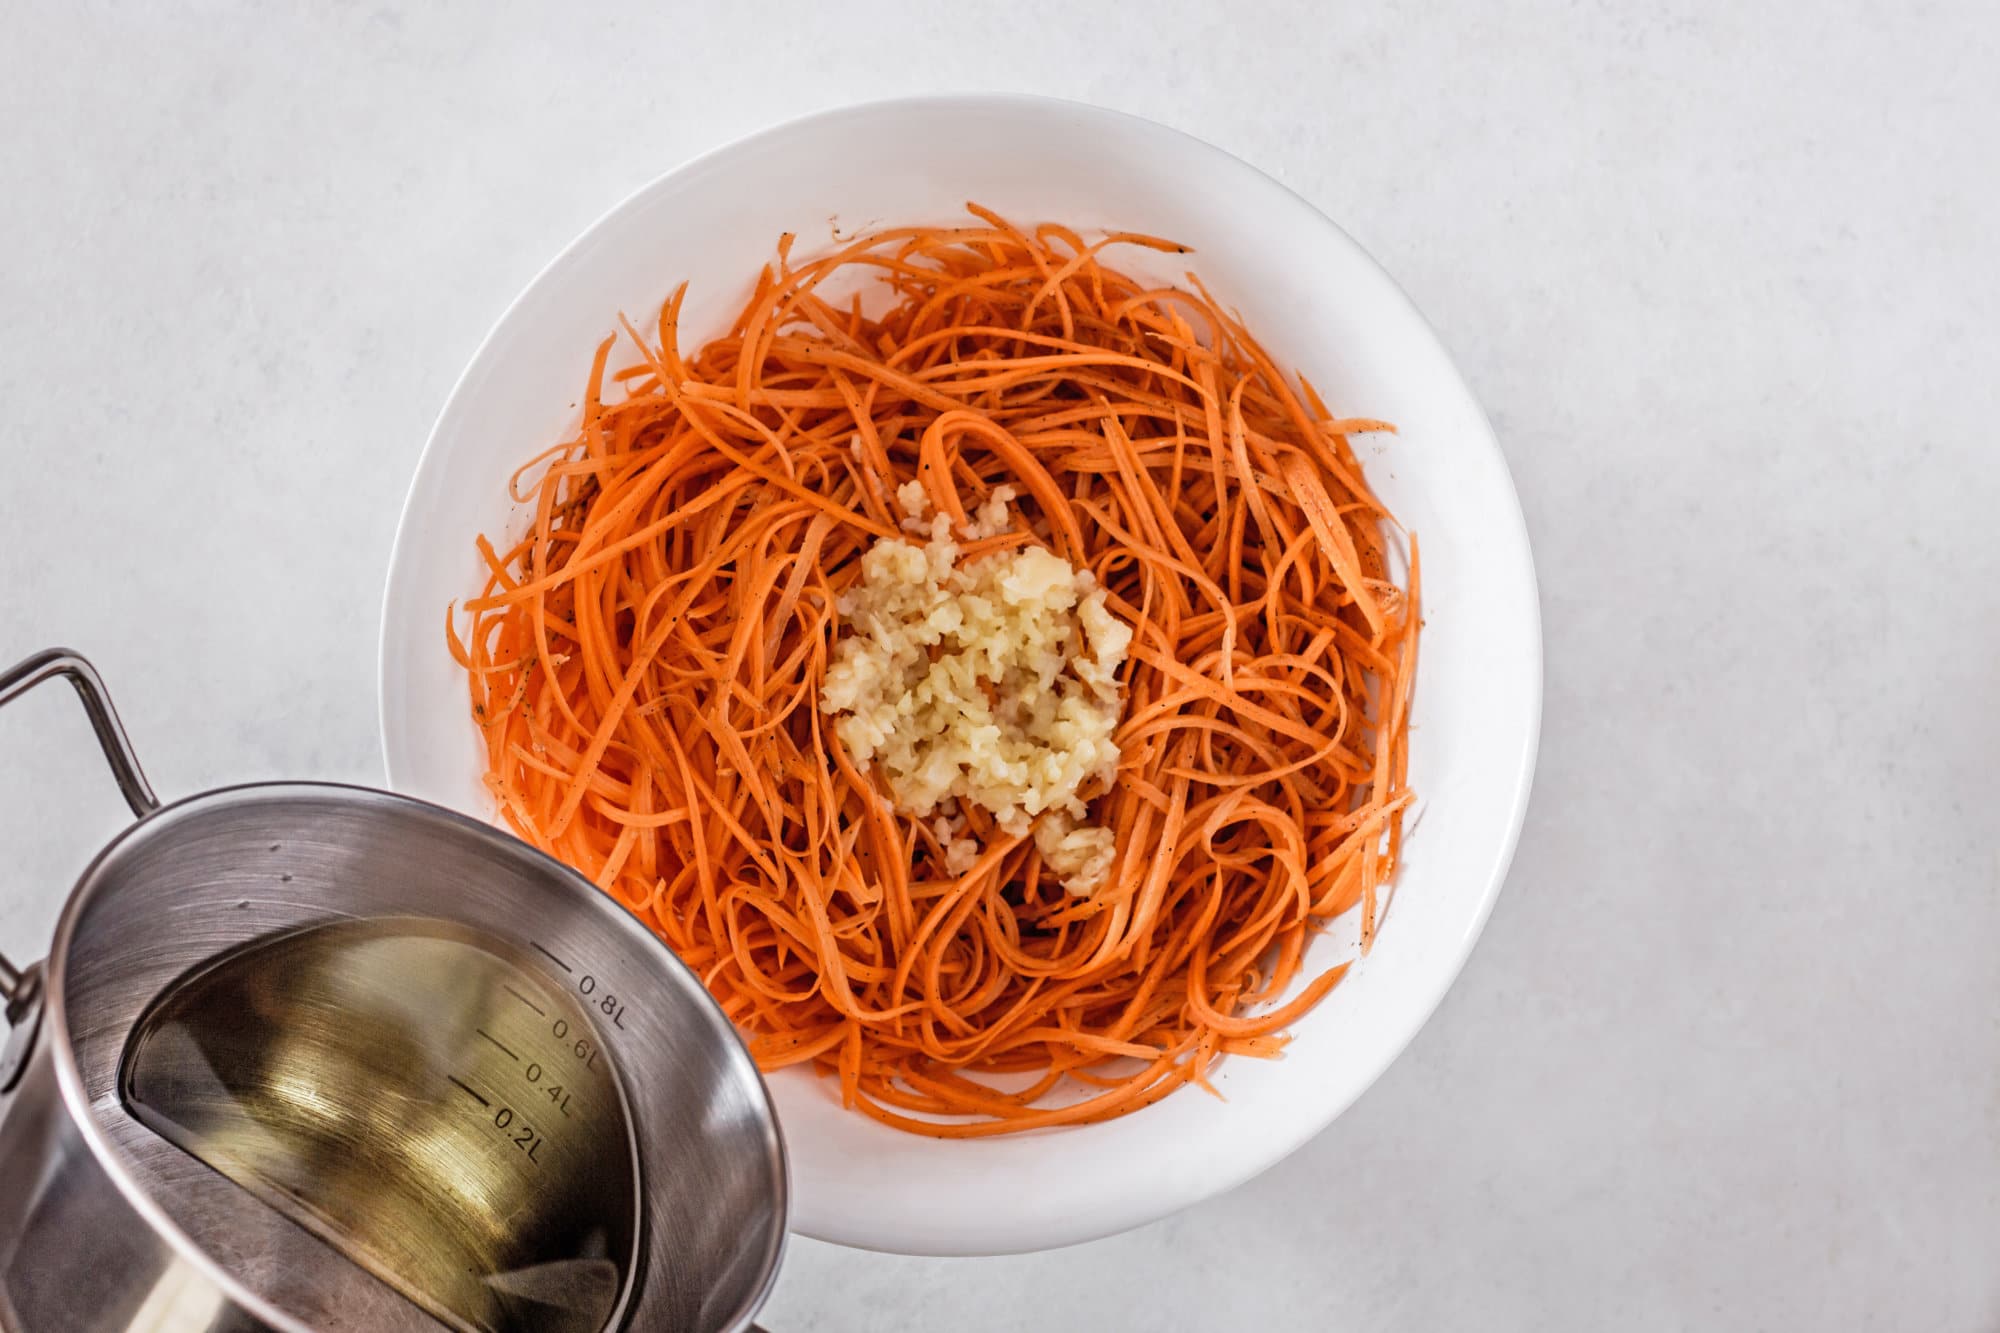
(26, 993)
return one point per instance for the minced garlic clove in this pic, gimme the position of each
(993, 681)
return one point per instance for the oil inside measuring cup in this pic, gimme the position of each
(414, 1093)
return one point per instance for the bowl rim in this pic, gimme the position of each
(1513, 549)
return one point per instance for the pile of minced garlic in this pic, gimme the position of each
(993, 682)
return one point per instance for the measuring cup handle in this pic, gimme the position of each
(47, 665)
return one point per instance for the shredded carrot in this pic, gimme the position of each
(644, 663)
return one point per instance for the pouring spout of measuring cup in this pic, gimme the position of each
(18, 680)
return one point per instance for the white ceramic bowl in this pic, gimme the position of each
(1320, 305)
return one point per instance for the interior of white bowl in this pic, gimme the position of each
(1320, 305)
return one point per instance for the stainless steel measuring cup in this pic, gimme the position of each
(312, 1057)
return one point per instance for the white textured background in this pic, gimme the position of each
(1727, 278)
